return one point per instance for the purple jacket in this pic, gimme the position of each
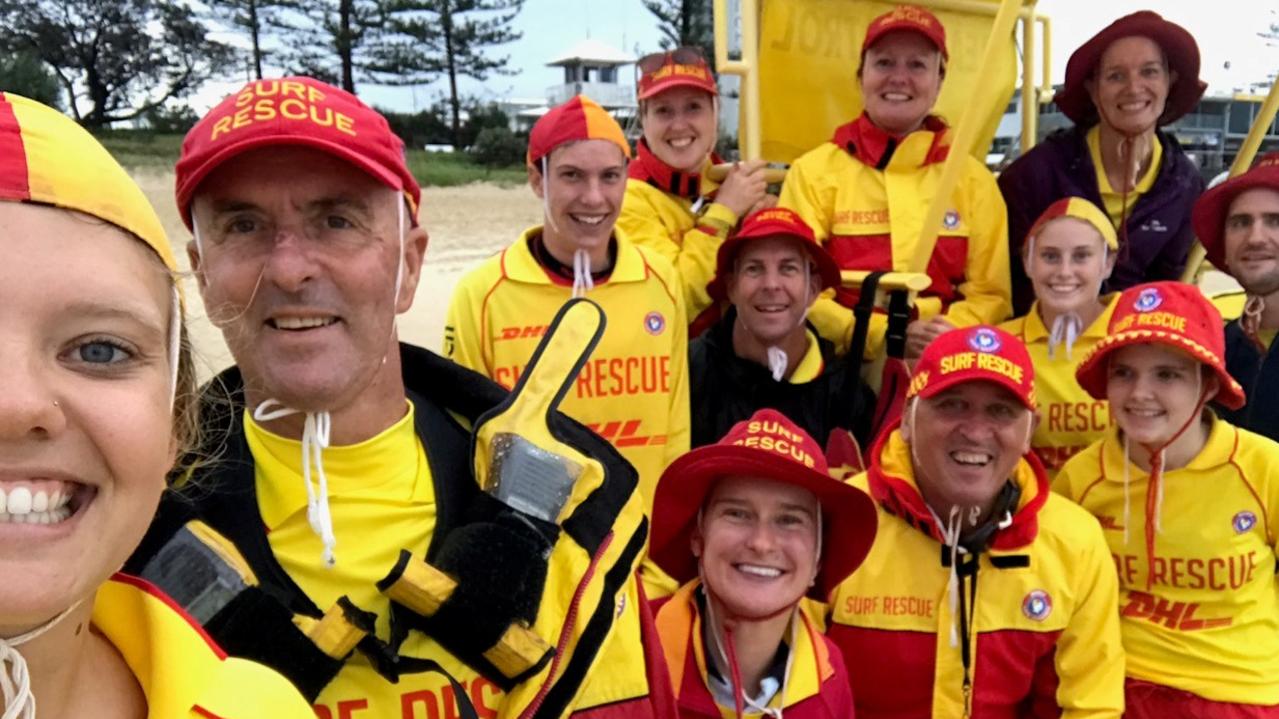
(1159, 232)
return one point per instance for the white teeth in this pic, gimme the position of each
(681, 143)
(4, 505)
(40, 501)
(896, 96)
(302, 323)
(19, 500)
(588, 220)
(759, 571)
(52, 516)
(971, 457)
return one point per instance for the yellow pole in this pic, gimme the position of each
(1047, 82)
(749, 132)
(1243, 160)
(1029, 90)
(965, 134)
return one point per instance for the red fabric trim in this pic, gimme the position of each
(891, 673)
(862, 139)
(1147, 700)
(15, 183)
(1243, 477)
(947, 266)
(206, 713)
(149, 588)
(647, 167)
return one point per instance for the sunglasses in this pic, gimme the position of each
(679, 56)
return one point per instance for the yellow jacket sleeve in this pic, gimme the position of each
(463, 333)
(1090, 655)
(803, 195)
(652, 219)
(987, 288)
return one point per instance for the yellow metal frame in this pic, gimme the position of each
(750, 141)
(1243, 160)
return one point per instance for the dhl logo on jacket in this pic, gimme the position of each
(814, 687)
(866, 194)
(1209, 622)
(1044, 629)
(633, 389)
(1069, 418)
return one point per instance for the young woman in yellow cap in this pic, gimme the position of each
(1188, 503)
(750, 526)
(96, 404)
(671, 206)
(1067, 254)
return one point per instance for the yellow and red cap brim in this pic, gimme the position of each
(1080, 209)
(671, 75)
(45, 157)
(581, 118)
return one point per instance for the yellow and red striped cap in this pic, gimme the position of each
(1080, 209)
(578, 119)
(46, 157)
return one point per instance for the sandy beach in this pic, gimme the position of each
(466, 224)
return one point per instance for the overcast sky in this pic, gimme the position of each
(1226, 30)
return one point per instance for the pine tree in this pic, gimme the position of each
(684, 22)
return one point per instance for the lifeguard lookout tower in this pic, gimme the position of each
(593, 68)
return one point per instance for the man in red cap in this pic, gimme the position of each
(634, 388)
(750, 526)
(985, 594)
(339, 454)
(1238, 224)
(763, 353)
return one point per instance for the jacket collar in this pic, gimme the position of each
(1223, 440)
(1034, 330)
(862, 139)
(679, 629)
(689, 185)
(719, 339)
(892, 485)
(519, 264)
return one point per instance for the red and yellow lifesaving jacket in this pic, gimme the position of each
(657, 214)
(865, 194)
(1202, 614)
(815, 687)
(1045, 636)
(1070, 419)
(633, 390)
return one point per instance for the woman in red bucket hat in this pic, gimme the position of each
(751, 526)
(1136, 75)
(866, 191)
(671, 205)
(1188, 504)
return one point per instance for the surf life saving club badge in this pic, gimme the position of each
(1148, 300)
(983, 339)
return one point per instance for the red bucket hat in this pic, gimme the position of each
(1209, 216)
(581, 118)
(1169, 313)
(681, 67)
(294, 111)
(974, 354)
(769, 223)
(769, 446)
(911, 18)
(1177, 44)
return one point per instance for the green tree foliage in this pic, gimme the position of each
(684, 22)
(345, 42)
(256, 19)
(114, 59)
(458, 34)
(23, 73)
(498, 147)
(432, 126)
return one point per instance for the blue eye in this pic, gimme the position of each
(101, 352)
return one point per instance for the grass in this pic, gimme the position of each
(432, 169)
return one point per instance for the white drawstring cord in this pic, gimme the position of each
(582, 281)
(1065, 331)
(315, 439)
(15, 681)
(950, 536)
(777, 362)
